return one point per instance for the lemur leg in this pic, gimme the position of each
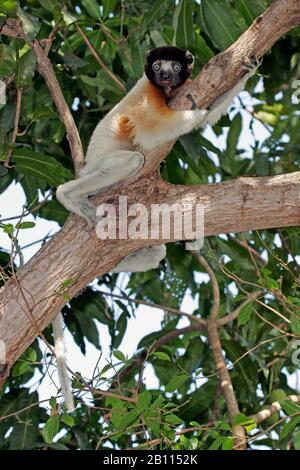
(221, 105)
(96, 175)
(142, 260)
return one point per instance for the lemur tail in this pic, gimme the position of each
(60, 352)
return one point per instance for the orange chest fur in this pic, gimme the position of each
(147, 113)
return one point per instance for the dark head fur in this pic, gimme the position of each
(169, 53)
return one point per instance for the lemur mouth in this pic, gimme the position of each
(165, 82)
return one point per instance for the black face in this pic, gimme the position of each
(168, 66)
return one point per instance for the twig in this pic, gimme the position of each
(25, 214)
(48, 42)
(99, 60)
(245, 245)
(235, 313)
(215, 287)
(273, 408)
(7, 162)
(172, 310)
(157, 344)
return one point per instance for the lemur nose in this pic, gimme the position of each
(166, 76)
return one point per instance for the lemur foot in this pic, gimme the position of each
(251, 63)
(88, 212)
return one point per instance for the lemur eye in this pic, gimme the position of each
(156, 66)
(176, 67)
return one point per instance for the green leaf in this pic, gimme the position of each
(217, 443)
(7, 228)
(68, 419)
(245, 314)
(267, 118)
(208, 145)
(20, 368)
(289, 407)
(7, 61)
(128, 419)
(289, 426)
(175, 382)
(108, 7)
(183, 24)
(295, 325)
(250, 10)
(41, 166)
(271, 283)
(32, 355)
(119, 355)
(262, 165)
(247, 371)
(53, 403)
(9, 7)
(121, 328)
(68, 17)
(92, 8)
(24, 225)
(157, 10)
(51, 429)
(53, 210)
(105, 369)
(31, 24)
(227, 444)
(26, 69)
(43, 113)
(233, 136)
(173, 419)
(297, 440)
(25, 431)
(161, 355)
(219, 23)
(30, 187)
(144, 400)
(242, 419)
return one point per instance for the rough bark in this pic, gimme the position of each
(30, 300)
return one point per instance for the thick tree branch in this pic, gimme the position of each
(233, 206)
(76, 253)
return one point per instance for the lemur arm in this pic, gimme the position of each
(222, 103)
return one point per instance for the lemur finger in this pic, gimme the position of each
(191, 99)
(250, 63)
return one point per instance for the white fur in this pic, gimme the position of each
(110, 160)
(60, 353)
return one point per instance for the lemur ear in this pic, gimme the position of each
(189, 57)
(147, 53)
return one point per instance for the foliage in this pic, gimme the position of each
(259, 345)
